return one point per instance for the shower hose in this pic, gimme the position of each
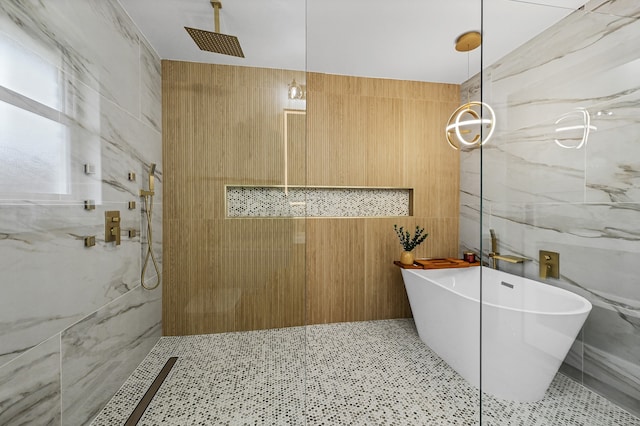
(148, 208)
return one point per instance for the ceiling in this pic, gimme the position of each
(397, 39)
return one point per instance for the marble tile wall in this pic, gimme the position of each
(583, 203)
(79, 85)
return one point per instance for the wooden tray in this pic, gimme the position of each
(447, 262)
(403, 266)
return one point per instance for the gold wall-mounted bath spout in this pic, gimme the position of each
(494, 256)
(510, 258)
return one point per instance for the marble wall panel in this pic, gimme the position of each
(128, 145)
(85, 67)
(50, 280)
(30, 387)
(151, 82)
(96, 361)
(610, 360)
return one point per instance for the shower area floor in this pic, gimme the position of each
(361, 373)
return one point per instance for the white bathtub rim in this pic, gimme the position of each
(585, 309)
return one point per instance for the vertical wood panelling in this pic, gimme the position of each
(335, 272)
(376, 132)
(336, 149)
(296, 147)
(431, 164)
(225, 125)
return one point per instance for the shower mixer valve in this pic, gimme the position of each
(112, 226)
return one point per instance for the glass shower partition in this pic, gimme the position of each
(560, 194)
(235, 246)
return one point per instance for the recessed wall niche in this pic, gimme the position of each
(281, 201)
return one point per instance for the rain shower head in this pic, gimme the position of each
(215, 41)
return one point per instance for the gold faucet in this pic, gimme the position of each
(495, 256)
(494, 250)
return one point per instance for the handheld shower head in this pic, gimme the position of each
(152, 170)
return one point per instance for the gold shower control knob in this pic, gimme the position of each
(112, 226)
(90, 241)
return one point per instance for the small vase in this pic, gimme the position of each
(407, 258)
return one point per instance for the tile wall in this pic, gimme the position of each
(79, 85)
(583, 203)
(254, 201)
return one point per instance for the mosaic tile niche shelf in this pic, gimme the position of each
(278, 201)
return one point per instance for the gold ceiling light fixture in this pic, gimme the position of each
(216, 42)
(460, 125)
(467, 125)
(468, 41)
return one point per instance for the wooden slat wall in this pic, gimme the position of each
(224, 125)
(376, 132)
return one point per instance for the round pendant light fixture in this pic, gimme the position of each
(465, 128)
(472, 124)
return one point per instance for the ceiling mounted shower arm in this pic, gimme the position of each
(216, 15)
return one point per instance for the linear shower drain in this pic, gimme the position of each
(138, 412)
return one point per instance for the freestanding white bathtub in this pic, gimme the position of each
(526, 327)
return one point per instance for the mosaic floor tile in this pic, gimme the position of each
(362, 373)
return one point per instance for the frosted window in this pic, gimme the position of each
(34, 153)
(28, 74)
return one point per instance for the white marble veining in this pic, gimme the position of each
(96, 361)
(50, 280)
(150, 93)
(30, 386)
(585, 203)
(85, 69)
(128, 145)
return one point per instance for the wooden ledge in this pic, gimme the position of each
(441, 263)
